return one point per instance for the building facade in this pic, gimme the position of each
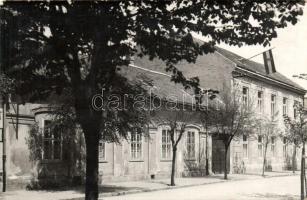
(149, 155)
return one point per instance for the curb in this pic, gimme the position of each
(153, 190)
(135, 191)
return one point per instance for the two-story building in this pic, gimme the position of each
(150, 157)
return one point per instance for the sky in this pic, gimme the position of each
(290, 52)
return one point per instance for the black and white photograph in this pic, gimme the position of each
(153, 99)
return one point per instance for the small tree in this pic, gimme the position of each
(176, 120)
(293, 139)
(232, 118)
(205, 118)
(269, 132)
(297, 131)
(177, 124)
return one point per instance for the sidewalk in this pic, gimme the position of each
(122, 188)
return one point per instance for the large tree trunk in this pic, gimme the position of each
(91, 184)
(264, 158)
(225, 163)
(303, 172)
(173, 166)
(90, 121)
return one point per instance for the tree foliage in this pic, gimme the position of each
(296, 127)
(6, 85)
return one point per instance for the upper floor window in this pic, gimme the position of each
(166, 144)
(260, 101)
(245, 146)
(102, 150)
(52, 142)
(191, 144)
(273, 105)
(245, 95)
(285, 106)
(136, 145)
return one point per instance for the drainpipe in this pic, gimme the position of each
(3, 145)
(207, 153)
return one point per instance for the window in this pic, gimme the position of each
(273, 146)
(166, 144)
(245, 95)
(285, 106)
(191, 145)
(136, 146)
(260, 146)
(273, 105)
(260, 102)
(51, 142)
(296, 103)
(102, 151)
(294, 113)
(245, 146)
(284, 147)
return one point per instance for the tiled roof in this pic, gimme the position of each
(153, 76)
(159, 84)
(256, 67)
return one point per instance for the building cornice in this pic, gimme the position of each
(270, 80)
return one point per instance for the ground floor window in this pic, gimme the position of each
(136, 146)
(260, 145)
(191, 145)
(273, 146)
(245, 146)
(284, 147)
(102, 151)
(166, 144)
(52, 142)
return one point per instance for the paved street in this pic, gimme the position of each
(277, 188)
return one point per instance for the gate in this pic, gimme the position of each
(218, 156)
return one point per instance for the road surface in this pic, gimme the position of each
(277, 188)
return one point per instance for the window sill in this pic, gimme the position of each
(190, 159)
(136, 160)
(166, 160)
(51, 161)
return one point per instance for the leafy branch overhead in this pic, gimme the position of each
(7, 85)
(296, 126)
(56, 53)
